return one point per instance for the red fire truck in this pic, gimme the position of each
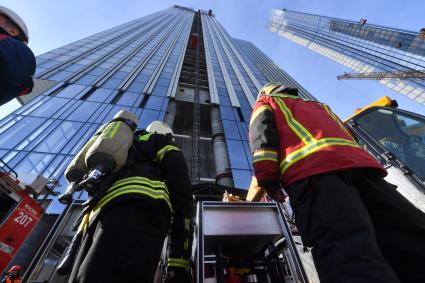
(19, 213)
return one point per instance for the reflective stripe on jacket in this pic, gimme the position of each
(150, 187)
(292, 138)
(141, 186)
(155, 173)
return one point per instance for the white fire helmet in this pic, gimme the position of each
(16, 20)
(159, 128)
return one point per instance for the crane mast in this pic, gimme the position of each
(402, 75)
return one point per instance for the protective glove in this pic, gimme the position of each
(275, 192)
(178, 275)
(279, 196)
(178, 271)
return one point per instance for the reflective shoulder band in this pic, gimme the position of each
(178, 262)
(258, 111)
(144, 137)
(264, 154)
(160, 154)
(296, 126)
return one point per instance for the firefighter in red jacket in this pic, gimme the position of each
(361, 229)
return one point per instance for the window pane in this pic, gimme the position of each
(114, 111)
(231, 129)
(52, 167)
(37, 135)
(401, 134)
(154, 102)
(160, 90)
(34, 163)
(242, 178)
(84, 111)
(79, 141)
(227, 113)
(128, 99)
(19, 131)
(48, 108)
(100, 95)
(237, 154)
(147, 117)
(70, 91)
(59, 137)
(60, 76)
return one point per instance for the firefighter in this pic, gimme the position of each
(17, 62)
(130, 217)
(13, 275)
(361, 229)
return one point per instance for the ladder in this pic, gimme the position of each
(196, 109)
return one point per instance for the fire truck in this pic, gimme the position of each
(20, 212)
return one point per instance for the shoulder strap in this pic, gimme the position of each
(128, 122)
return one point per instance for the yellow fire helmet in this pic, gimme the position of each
(273, 88)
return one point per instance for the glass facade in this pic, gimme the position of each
(135, 66)
(359, 46)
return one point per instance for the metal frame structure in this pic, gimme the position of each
(382, 75)
(273, 212)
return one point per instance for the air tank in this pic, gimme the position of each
(77, 168)
(109, 151)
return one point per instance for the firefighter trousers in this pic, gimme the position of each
(361, 229)
(123, 246)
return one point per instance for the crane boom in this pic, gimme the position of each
(402, 75)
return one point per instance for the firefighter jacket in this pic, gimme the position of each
(17, 66)
(292, 138)
(156, 173)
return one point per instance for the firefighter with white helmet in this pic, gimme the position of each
(17, 62)
(124, 227)
(159, 127)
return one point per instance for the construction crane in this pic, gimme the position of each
(402, 75)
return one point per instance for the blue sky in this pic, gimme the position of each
(53, 23)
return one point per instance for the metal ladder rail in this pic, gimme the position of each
(196, 109)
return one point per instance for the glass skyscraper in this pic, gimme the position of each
(177, 65)
(359, 46)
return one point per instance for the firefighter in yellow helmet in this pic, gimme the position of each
(131, 213)
(17, 62)
(361, 229)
